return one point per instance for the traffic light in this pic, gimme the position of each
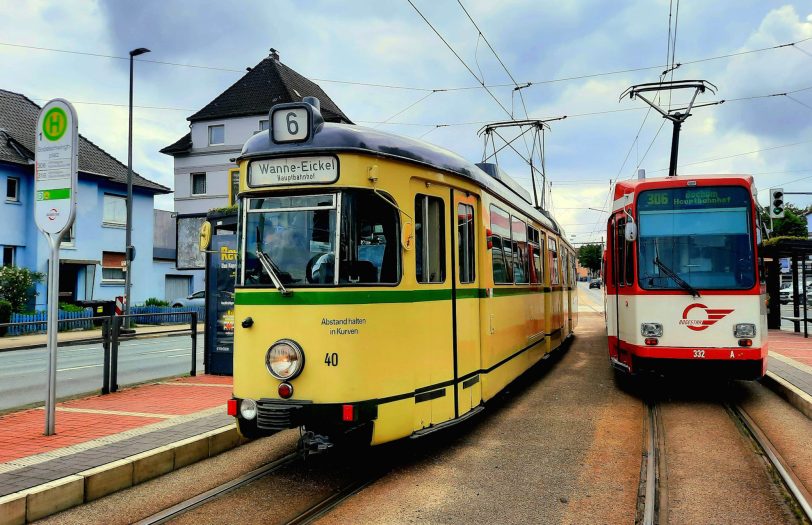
(777, 203)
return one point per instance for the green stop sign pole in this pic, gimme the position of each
(55, 173)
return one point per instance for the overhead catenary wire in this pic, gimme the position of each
(419, 88)
(459, 58)
(670, 50)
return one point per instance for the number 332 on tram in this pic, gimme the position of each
(684, 291)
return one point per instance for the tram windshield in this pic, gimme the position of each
(702, 235)
(299, 235)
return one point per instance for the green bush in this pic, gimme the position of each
(17, 286)
(67, 307)
(5, 314)
(154, 301)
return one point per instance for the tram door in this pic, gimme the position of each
(464, 228)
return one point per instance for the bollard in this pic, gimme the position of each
(106, 351)
(193, 372)
(115, 332)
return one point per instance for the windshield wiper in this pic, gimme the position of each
(673, 275)
(267, 265)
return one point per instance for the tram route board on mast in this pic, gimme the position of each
(57, 165)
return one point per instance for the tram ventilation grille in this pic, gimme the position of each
(275, 416)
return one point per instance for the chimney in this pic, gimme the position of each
(274, 54)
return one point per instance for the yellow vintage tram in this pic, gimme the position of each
(386, 286)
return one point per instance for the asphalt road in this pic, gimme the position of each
(79, 368)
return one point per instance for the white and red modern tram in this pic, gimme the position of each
(684, 288)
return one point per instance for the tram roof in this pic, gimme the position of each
(623, 187)
(344, 138)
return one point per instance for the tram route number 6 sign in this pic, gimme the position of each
(290, 124)
(56, 167)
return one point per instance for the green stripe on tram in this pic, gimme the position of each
(299, 297)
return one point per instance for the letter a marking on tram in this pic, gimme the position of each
(731, 355)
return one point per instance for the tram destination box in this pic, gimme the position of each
(289, 171)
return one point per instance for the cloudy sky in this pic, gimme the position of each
(579, 55)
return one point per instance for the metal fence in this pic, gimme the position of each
(112, 332)
(161, 314)
(22, 324)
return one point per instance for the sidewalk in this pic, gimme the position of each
(791, 359)
(106, 443)
(20, 342)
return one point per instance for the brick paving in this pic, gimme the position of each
(791, 358)
(96, 430)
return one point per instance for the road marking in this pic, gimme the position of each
(112, 412)
(76, 368)
(164, 351)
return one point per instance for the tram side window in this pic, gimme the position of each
(369, 240)
(429, 239)
(552, 247)
(520, 263)
(535, 260)
(629, 268)
(608, 262)
(465, 234)
(620, 247)
(501, 252)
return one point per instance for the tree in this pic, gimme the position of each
(792, 225)
(17, 286)
(590, 256)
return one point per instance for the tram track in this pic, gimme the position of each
(184, 506)
(322, 503)
(653, 491)
(792, 483)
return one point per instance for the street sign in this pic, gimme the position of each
(57, 163)
(55, 170)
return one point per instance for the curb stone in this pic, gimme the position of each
(794, 395)
(61, 494)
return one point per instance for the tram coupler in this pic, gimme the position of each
(311, 444)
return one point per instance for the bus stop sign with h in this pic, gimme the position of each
(56, 167)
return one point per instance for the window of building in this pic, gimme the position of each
(115, 210)
(13, 189)
(521, 266)
(429, 239)
(552, 249)
(467, 252)
(263, 125)
(8, 255)
(217, 135)
(113, 269)
(501, 251)
(198, 183)
(69, 237)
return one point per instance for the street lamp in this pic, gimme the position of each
(129, 254)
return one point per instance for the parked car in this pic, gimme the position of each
(595, 283)
(787, 292)
(196, 299)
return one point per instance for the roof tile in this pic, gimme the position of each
(18, 119)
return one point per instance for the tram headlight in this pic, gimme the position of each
(747, 330)
(651, 330)
(248, 408)
(284, 359)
